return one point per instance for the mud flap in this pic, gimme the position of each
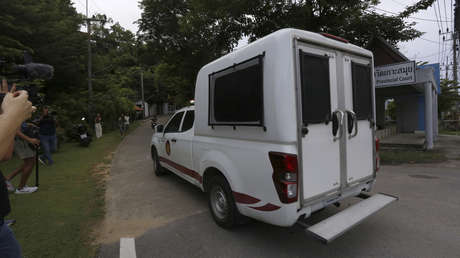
(334, 226)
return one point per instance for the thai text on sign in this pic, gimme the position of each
(395, 74)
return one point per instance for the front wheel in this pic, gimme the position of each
(157, 169)
(222, 204)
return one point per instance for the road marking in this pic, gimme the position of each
(127, 248)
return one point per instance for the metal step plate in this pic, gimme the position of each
(334, 226)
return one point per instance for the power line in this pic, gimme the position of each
(409, 17)
(439, 11)
(439, 47)
(444, 53)
(451, 7)
(401, 4)
(429, 40)
(437, 21)
(434, 54)
(430, 55)
(439, 34)
(445, 14)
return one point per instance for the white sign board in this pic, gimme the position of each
(394, 74)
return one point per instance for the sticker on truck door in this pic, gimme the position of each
(168, 148)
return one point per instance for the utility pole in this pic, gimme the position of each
(454, 35)
(447, 68)
(90, 64)
(142, 93)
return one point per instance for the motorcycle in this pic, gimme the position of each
(154, 122)
(81, 134)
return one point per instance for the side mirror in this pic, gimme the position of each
(159, 128)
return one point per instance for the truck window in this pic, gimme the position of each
(236, 96)
(362, 91)
(316, 102)
(174, 123)
(188, 121)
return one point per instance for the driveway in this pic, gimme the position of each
(167, 217)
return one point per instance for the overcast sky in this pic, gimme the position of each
(430, 47)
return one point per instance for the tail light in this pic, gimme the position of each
(285, 175)
(377, 157)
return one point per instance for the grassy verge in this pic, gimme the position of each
(395, 157)
(450, 132)
(58, 220)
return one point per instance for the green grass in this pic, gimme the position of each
(59, 219)
(394, 157)
(450, 132)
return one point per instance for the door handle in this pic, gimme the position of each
(304, 131)
(337, 124)
(173, 140)
(352, 123)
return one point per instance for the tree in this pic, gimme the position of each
(52, 31)
(14, 28)
(449, 96)
(186, 34)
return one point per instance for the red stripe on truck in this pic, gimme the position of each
(266, 207)
(183, 169)
(239, 197)
(244, 198)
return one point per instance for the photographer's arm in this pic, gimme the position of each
(8, 127)
(9, 151)
(15, 108)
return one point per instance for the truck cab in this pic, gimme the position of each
(281, 128)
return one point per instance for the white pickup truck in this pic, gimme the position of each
(280, 128)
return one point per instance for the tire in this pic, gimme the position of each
(157, 168)
(222, 204)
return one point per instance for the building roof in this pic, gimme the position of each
(384, 52)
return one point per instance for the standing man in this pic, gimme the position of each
(121, 124)
(48, 137)
(98, 125)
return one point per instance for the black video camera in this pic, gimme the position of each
(25, 75)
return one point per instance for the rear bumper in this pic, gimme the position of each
(327, 200)
(287, 215)
(336, 225)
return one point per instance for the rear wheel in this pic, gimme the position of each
(222, 204)
(157, 169)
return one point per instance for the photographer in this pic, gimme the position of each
(15, 108)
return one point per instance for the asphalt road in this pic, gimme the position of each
(170, 218)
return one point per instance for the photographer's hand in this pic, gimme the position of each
(15, 108)
(16, 104)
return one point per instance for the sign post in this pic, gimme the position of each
(394, 74)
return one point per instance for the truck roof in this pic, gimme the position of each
(312, 37)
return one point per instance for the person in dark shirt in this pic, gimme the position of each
(48, 137)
